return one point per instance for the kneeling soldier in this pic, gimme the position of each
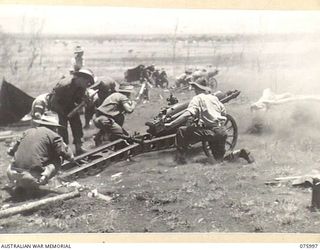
(209, 113)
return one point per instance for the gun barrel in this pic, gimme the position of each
(81, 105)
(231, 96)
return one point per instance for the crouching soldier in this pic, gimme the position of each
(184, 79)
(209, 113)
(105, 87)
(38, 155)
(109, 117)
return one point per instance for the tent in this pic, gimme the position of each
(14, 103)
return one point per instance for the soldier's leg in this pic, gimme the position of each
(77, 132)
(119, 119)
(240, 153)
(167, 83)
(117, 132)
(63, 131)
(99, 137)
(108, 125)
(217, 143)
(141, 91)
(22, 179)
(185, 136)
(146, 93)
(88, 114)
(76, 128)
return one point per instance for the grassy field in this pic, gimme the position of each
(153, 194)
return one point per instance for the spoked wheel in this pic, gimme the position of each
(232, 131)
(212, 82)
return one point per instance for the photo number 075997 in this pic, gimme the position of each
(309, 246)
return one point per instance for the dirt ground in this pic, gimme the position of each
(151, 193)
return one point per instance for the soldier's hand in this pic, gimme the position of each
(43, 180)
(72, 160)
(10, 151)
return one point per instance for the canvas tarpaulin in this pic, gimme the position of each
(14, 103)
(132, 75)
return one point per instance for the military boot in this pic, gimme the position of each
(243, 153)
(79, 149)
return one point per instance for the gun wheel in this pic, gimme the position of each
(232, 131)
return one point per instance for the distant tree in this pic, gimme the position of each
(36, 41)
(6, 52)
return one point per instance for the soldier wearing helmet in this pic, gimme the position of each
(65, 97)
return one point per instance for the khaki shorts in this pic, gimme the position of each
(25, 179)
(22, 179)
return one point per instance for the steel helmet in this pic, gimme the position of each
(86, 73)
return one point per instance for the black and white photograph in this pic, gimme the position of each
(159, 120)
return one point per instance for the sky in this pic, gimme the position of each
(95, 20)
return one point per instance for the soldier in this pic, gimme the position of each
(109, 117)
(77, 62)
(210, 115)
(146, 82)
(184, 79)
(38, 155)
(40, 105)
(65, 97)
(199, 73)
(156, 78)
(164, 78)
(105, 87)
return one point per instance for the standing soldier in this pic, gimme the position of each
(65, 97)
(164, 78)
(77, 62)
(38, 155)
(156, 78)
(146, 82)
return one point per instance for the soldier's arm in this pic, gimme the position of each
(12, 150)
(223, 109)
(179, 120)
(61, 149)
(190, 112)
(129, 106)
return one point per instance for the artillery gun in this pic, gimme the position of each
(170, 113)
(157, 138)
